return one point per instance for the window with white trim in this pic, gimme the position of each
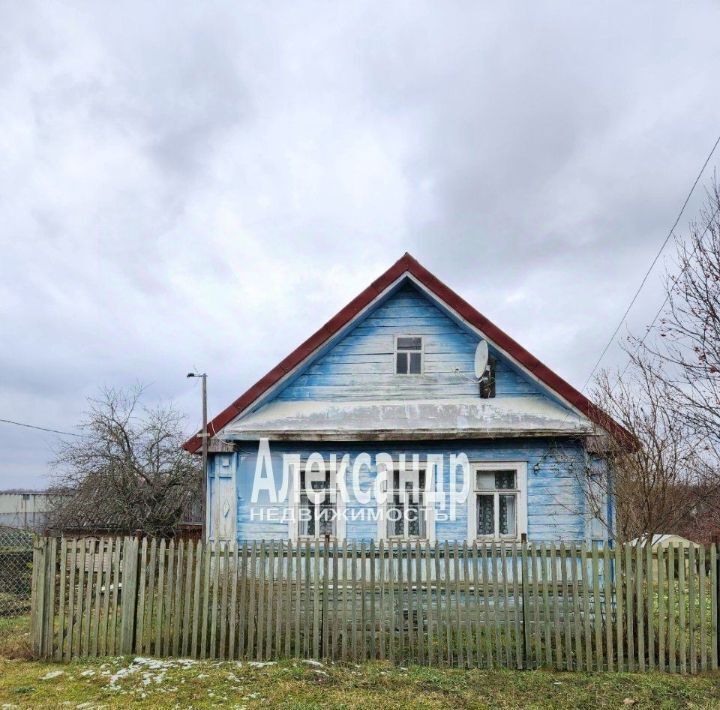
(408, 355)
(407, 512)
(317, 508)
(497, 507)
(317, 505)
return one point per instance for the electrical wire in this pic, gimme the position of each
(652, 266)
(40, 428)
(667, 296)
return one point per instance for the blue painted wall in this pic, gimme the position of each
(361, 366)
(556, 502)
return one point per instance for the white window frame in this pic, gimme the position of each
(382, 528)
(422, 356)
(294, 500)
(520, 470)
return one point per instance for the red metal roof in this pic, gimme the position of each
(408, 264)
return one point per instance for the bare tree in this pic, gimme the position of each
(128, 472)
(689, 342)
(658, 475)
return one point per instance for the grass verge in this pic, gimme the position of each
(153, 683)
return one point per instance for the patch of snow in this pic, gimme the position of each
(52, 674)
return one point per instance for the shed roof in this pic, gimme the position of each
(410, 419)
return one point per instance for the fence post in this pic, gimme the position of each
(523, 581)
(37, 609)
(129, 588)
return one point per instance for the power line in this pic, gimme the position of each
(652, 265)
(41, 428)
(667, 295)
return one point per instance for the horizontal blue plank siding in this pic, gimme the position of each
(556, 501)
(361, 365)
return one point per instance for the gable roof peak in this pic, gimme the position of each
(409, 264)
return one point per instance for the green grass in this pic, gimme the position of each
(15, 637)
(150, 683)
(123, 682)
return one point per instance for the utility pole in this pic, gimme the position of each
(204, 435)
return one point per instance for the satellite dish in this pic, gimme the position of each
(481, 358)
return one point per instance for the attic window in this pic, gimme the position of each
(408, 355)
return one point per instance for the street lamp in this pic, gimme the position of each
(204, 435)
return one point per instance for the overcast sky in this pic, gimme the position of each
(202, 185)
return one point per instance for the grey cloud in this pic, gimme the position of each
(191, 185)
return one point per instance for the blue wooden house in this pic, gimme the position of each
(405, 398)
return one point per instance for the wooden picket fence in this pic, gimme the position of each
(449, 604)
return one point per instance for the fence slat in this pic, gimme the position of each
(597, 609)
(222, 562)
(306, 600)
(117, 557)
(661, 599)
(567, 628)
(251, 615)
(608, 604)
(586, 587)
(507, 633)
(495, 607)
(467, 629)
(150, 601)
(692, 615)
(672, 649)
(682, 628)
(438, 604)
(639, 598)
(427, 558)
(177, 603)
(99, 564)
(82, 567)
(49, 615)
(140, 624)
(160, 599)
(233, 582)
(61, 600)
(199, 566)
(650, 603)
(714, 591)
(270, 583)
(243, 612)
(629, 607)
(67, 651)
(619, 621)
(373, 598)
(215, 605)
(516, 604)
(477, 605)
(344, 602)
(87, 612)
(130, 552)
(556, 607)
(702, 560)
(316, 602)
(186, 628)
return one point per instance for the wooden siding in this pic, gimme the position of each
(361, 366)
(556, 502)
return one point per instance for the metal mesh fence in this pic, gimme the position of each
(16, 554)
